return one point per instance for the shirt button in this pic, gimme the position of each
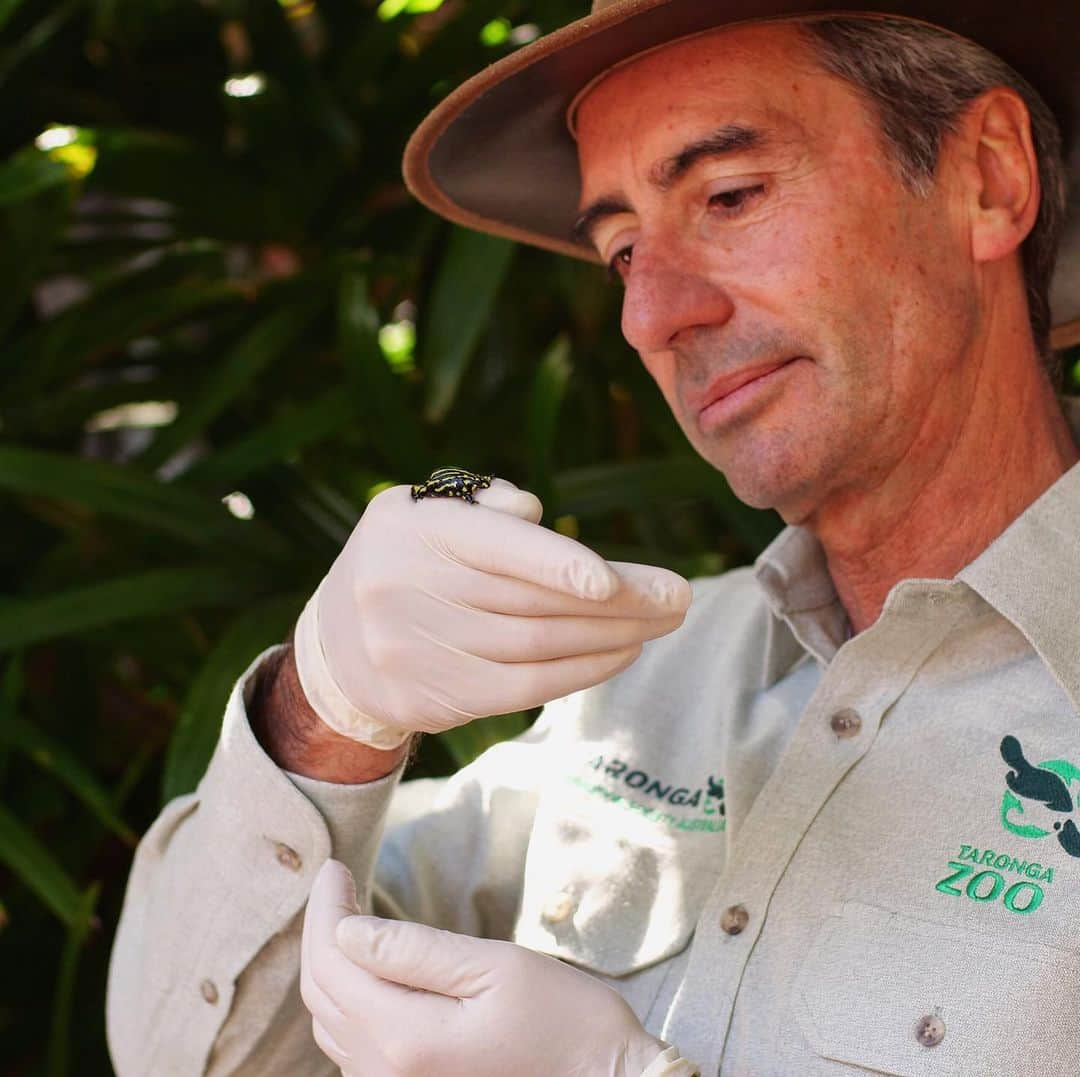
(209, 991)
(930, 1030)
(558, 907)
(733, 919)
(846, 723)
(288, 858)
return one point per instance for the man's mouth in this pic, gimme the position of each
(723, 395)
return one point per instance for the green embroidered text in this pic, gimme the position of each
(990, 884)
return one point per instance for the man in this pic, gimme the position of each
(825, 824)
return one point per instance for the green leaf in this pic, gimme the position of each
(199, 723)
(103, 323)
(7, 9)
(64, 414)
(30, 229)
(144, 755)
(600, 488)
(155, 593)
(704, 563)
(115, 281)
(39, 35)
(256, 350)
(11, 693)
(31, 862)
(466, 742)
(651, 406)
(315, 516)
(123, 493)
(648, 484)
(58, 1061)
(462, 301)
(307, 86)
(377, 392)
(545, 400)
(57, 760)
(278, 440)
(209, 194)
(28, 173)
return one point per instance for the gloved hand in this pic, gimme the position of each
(396, 999)
(437, 612)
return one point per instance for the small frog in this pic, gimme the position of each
(451, 482)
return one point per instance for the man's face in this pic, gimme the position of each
(745, 198)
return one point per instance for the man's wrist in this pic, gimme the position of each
(297, 739)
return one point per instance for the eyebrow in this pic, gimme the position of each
(726, 141)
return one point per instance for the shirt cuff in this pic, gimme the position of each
(671, 1064)
(352, 816)
(355, 816)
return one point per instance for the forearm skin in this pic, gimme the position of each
(294, 736)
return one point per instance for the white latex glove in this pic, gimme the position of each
(437, 612)
(395, 999)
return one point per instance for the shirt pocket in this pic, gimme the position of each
(1000, 1005)
(610, 889)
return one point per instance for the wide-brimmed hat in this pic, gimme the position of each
(497, 154)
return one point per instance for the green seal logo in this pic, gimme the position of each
(1051, 784)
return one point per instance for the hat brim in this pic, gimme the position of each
(496, 154)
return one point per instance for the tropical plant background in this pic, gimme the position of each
(225, 327)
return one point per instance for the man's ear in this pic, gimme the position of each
(1005, 188)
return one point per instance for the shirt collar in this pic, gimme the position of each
(807, 614)
(1030, 574)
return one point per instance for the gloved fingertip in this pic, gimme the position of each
(329, 873)
(382, 947)
(673, 591)
(504, 496)
(595, 581)
(530, 507)
(334, 884)
(355, 934)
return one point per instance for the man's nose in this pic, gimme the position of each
(666, 294)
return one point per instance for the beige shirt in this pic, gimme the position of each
(792, 854)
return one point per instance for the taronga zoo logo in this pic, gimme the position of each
(1039, 801)
(684, 805)
(1049, 783)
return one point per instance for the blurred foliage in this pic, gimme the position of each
(226, 325)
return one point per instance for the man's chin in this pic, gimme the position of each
(756, 495)
(761, 487)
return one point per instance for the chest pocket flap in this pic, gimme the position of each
(996, 1005)
(610, 889)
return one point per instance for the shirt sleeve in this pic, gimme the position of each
(204, 973)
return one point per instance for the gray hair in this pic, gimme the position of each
(920, 80)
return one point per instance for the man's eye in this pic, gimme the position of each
(619, 264)
(736, 199)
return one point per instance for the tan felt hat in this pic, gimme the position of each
(497, 155)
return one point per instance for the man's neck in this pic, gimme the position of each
(940, 508)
